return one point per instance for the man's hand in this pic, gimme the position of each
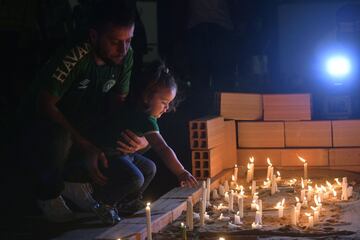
(94, 157)
(130, 142)
(187, 180)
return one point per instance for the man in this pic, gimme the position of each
(72, 93)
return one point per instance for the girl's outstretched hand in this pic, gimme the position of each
(187, 180)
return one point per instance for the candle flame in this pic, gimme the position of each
(313, 208)
(297, 199)
(301, 159)
(237, 213)
(337, 181)
(308, 214)
(232, 178)
(148, 204)
(252, 159)
(310, 188)
(182, 224)
(278, 173)
(334, 193)
(235, 165)
(316, 200)
(248, 166)
(329, 185)
(269, 162)
(283, 202)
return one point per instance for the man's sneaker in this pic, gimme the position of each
(56, 210)
(106, 213)
(129, 208)
(79, 194)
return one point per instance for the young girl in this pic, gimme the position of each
(152, 96)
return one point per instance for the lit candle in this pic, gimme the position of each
(253, 187)
(316, 214)
(310, 220)
(258, 215)
(189, 214)
(280, 207)
(231, 201)
(206, 216)
(222, 218)
(267, 183)
(148, 221)
(334, 194)
(250, 172)
(270, 169)
(237, 218)
(317, 201)
(278, 178)
(255, 225)
(183, 230)
(254, 201)
(236, 169)
(305, 167)
(337, 182)
(215, 194)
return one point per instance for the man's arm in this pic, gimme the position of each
(47, 107)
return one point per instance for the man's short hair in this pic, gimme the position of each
(116, 12)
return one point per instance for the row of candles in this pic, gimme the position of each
(318, 194)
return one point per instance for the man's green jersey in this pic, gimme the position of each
(83, 86)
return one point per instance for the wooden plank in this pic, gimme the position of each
(230, 148)
(308, 134)
(241, 106)
(261, 134)
(291, 107)
(314, 157)
(260, 156)
(344, 156)
(206, 133)
(346, 133)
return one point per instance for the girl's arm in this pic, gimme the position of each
(169, 158)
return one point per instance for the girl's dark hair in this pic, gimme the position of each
(152, 77)
(117, 12)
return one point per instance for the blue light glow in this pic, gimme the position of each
(338, 67)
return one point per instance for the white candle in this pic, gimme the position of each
(215, 194)
(302, 195)
(278, 178)
(226, 186)
(148, 221)
(310, 193)
(236, 169)
(258, 217)
(253, 187)
(280, 207)
(202, 213)
(293, 215)
(273, 185)
(344, 195)
(231, 201)
(206, 216)
(310, 220)
(226, 197)
(221, 190)
(316, 214)
(208, 190)
(241, 205)
(204, 193)
(189, 214)
(305, 167)
(270, 169)
(255, 225)
(222, 218)
(281, 211)
(237, 219)
(250, 173)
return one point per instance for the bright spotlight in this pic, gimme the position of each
(338, 67)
